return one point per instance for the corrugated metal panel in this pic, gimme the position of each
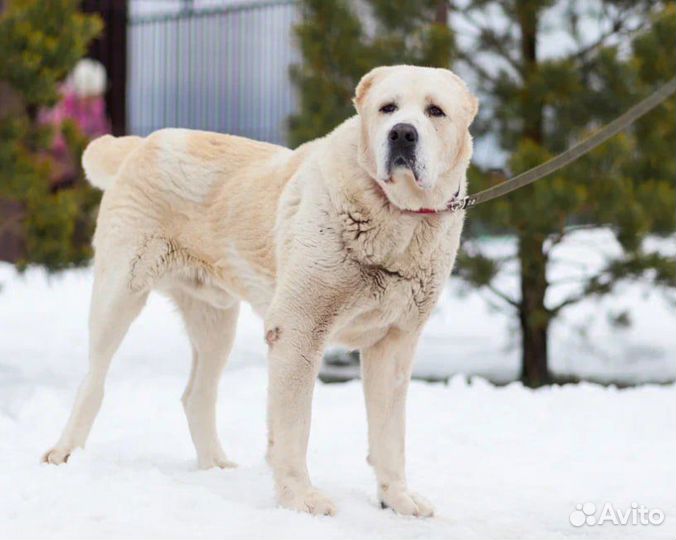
(214, 66)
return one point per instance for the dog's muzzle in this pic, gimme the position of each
(402, 142)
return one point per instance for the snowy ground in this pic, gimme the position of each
(497, 462)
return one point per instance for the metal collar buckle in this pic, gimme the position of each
(461, 204)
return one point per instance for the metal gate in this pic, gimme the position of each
(211, 65)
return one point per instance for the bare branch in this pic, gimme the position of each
(569, 280)
(511, 301)
(587, 290)
(559, 236)
(567, 302)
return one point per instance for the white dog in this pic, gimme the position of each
(334, 242)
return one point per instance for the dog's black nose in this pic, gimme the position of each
(403, 135)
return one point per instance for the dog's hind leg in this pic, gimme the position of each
(212, 332)
(113, 308)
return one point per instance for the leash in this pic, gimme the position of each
(574, 152)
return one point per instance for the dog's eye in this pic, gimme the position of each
(433, 110)
(388, 108)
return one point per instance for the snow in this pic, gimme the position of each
(583, 342)
(504, 462)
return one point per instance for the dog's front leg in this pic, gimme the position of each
(296, 336)
(386, 371)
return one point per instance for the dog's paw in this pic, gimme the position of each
(56, 456)
(216, 459)
(407, 503)
(310, 500)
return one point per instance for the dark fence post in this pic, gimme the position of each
(111, 50)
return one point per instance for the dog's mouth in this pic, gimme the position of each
(379, 191)
(382, 195)
(401, 162)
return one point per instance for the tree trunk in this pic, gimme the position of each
(441, 13)
(533, 315)
(531, 108)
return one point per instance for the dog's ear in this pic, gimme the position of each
(473, 105)
(366, 83)
(471, 102)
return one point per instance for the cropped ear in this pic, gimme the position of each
(366, 83)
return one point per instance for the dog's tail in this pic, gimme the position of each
(104, 156)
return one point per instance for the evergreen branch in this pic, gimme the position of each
(480, 70)
(490, 39)
(617, 28)
(633, 267)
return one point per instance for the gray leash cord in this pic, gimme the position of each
(570, 155)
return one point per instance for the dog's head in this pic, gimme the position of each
(414, 131)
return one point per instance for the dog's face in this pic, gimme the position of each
(414, 130)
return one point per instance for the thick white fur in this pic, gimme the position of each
(317, 239)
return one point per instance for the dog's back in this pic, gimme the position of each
(187, 163)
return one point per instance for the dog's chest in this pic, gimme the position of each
(388, 298)
(401, 293)
(399, 273)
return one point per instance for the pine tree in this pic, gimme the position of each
(537, 107)
(338, 49)
(40, 43)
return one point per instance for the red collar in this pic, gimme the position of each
(455, 203)
(425, 210)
